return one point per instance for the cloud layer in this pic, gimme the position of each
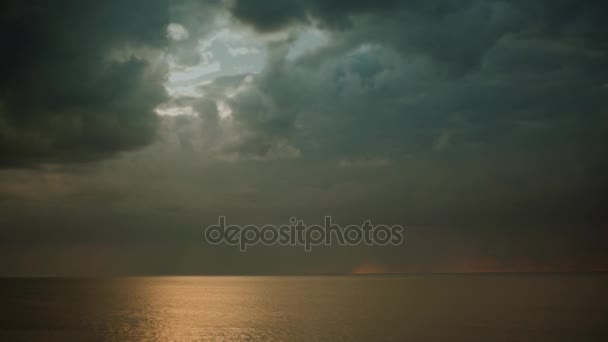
(80, 80)
(478, 125)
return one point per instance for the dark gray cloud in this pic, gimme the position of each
(455, 33)
(275, 15)
(458, 82)
(80, 79)
(442, 30)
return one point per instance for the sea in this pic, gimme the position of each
(498, 307)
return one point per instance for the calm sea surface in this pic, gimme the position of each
(363, 308)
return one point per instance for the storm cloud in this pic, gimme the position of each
(80, 79)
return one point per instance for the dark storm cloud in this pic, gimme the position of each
(455, 33)
(275, 15)
(466, 84)
(80, 79)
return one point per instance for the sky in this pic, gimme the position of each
(127, 127)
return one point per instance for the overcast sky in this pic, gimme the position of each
(126, 127)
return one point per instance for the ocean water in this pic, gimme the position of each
(342, 308)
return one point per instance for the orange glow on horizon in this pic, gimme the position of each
(370, 269)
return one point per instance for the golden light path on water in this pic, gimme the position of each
(352, 308)
(188, 309)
